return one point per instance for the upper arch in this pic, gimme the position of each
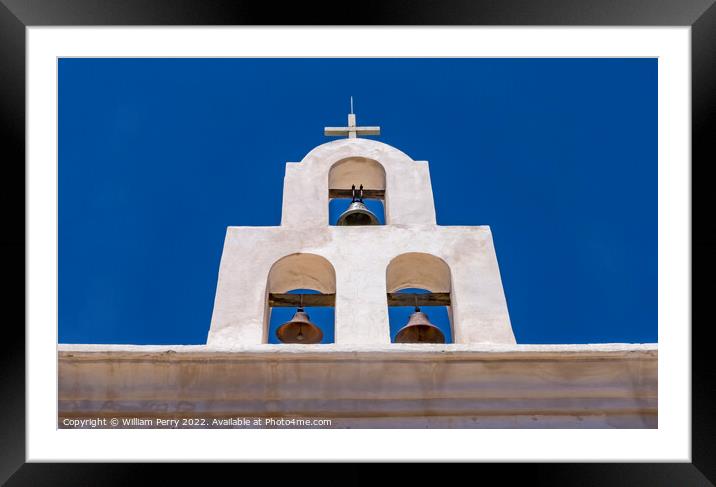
(302, 271)
(418, 270)
(331, 152)
(356, 170)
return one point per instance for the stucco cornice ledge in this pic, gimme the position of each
(385, 352)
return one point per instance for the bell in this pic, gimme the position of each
(419, 330)
(299, 329)
(357, 213)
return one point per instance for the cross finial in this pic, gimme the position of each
(352, 130)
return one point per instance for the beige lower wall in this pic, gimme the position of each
(392, 387)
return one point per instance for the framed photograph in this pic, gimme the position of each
(427, 234)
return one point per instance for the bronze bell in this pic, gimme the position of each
(419, 330)
(299, 329)
(357, 213)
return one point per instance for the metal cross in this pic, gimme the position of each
(351, 130)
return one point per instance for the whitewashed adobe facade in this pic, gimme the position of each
(481, 380)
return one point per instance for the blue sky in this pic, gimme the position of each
(158, 156)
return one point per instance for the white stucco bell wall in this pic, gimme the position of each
(360, 256)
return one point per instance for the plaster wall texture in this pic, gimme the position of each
(359, 256)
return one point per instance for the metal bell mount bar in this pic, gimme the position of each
(394, 299)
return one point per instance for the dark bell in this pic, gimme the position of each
(299, 330)
(357, 214)
(419, 330)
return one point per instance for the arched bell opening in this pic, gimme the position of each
(419, 299)
(416, 323)
(356, 192)
(300, 300)
(294, 321)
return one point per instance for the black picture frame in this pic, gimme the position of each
(16, 15)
